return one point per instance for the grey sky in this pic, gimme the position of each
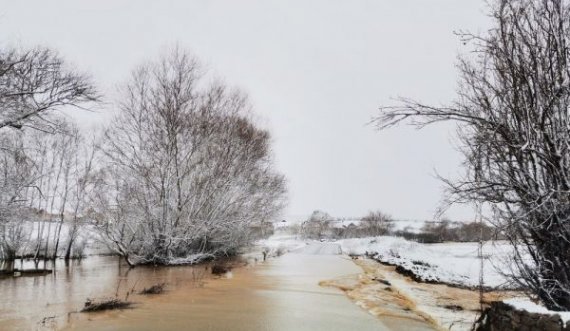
(316, 72)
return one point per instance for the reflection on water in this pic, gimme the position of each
(280, 294)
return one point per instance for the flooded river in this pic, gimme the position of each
(280, 294)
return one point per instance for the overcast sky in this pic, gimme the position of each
(316, 72)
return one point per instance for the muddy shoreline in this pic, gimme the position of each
(385, 291)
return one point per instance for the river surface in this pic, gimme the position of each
(280, 294)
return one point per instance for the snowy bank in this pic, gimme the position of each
(456, 264)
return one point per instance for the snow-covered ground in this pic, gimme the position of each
(452, 263)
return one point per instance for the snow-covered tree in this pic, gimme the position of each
(36, 82)
(318, 225)
(16, 177)
(188, 171)
(46, 183)
(376, 223)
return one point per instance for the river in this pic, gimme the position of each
(280, 294)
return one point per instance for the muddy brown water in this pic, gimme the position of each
(280, 294)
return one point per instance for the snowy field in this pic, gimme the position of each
(451, 263)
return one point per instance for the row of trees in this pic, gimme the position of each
(41, 156)
(181, 174)
(321, 225)
(447, 231)
(47, 180)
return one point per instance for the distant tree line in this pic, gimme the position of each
(445, 230)
(321, 225)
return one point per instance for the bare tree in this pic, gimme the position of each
(79, 180)
(36, 82)
(376, 223)
(318, 226)
(513, 119)
(188, 170)
(16, 175)
(437, 232)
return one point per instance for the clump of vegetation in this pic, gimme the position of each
(422, 263)
(48, 321)
(155, 289)
(78, 249)
(394, 253)
(105, 304)
(280, 251)
(221, 269)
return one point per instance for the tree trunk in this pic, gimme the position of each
(68, 250)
